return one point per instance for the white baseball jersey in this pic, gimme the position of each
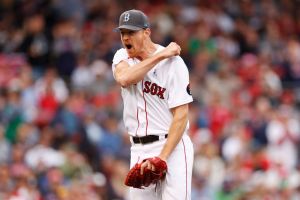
(147, 104)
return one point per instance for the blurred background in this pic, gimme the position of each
(61, 129)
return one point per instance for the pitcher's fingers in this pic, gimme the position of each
(152, 167)
(143, 166)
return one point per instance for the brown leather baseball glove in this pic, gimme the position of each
(135, 179)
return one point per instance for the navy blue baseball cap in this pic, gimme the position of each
(134, 20)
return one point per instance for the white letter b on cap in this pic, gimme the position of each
(126, 17)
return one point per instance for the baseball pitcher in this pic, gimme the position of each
(155, 90)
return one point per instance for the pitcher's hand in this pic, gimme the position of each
(173, 49)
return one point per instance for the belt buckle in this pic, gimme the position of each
(140, 140)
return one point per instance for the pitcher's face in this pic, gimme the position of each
(133, 41)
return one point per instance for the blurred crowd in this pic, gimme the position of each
(61, 128)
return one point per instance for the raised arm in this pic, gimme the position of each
(127, 75)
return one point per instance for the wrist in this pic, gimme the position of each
(161, 55)
(163, 157)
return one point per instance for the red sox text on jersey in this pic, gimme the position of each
(154, 89)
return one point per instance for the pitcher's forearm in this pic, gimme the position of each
(176, 131)
(126, 75)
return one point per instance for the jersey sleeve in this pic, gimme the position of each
(178, 84)
(120, 55)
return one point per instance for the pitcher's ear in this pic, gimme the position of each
(147, 31)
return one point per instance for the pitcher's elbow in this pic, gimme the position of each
(124, 82)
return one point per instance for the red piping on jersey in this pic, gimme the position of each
(145, 107)
(185, 169)
(137, 118)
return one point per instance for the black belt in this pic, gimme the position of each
(146, 139)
